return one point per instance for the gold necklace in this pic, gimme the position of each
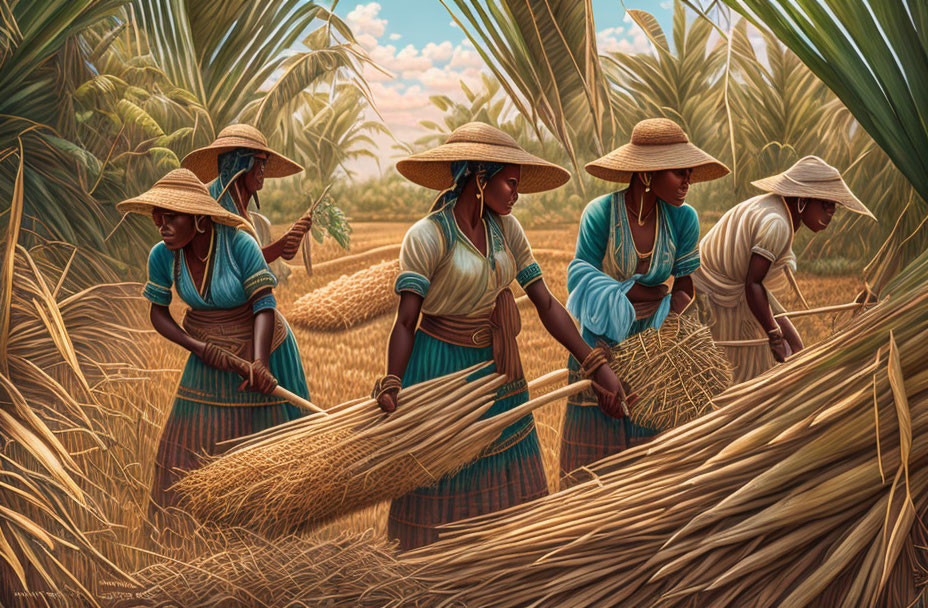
(645, 256)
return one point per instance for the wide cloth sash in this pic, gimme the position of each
(498, 330)
(231, 328)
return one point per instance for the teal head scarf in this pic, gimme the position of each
(232, 165)
(461, 171)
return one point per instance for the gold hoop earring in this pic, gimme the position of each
(801, 205)
(647, 184)
(196, 225)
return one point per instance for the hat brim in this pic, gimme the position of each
(204, 162)
(182, 202)
(432, 168)
(833, 190)
(620, 164)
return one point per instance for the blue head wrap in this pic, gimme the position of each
(461, 171)
(231, 163)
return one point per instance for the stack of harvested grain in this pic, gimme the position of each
(349, 299)
(675, 371)
(237, 567)
(805, 489)
(313, 469)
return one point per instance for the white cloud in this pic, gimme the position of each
(363, 19)
(624, 40)
(417, 73)
(465, 58)
(438, 52)
(667, 6)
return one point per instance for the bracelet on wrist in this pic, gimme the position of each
(386, 383)
(593, 361)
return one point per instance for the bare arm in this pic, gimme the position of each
(399, 348)
(560, 325)
(165, 325)
(264, 330)
(682, 293)
(756, 295)
(287, 245)
(556, 319)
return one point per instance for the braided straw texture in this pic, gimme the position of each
(348, 300)
(676, 372)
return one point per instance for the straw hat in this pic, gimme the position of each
(480, 141)
(657, 144)
(814, 178)
(181, 191)
(204, 161)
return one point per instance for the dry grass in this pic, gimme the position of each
(806, 488)
(132, 403)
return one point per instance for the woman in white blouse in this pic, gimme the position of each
(750, 245)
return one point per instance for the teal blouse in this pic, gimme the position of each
(603, 268)
(236, 271)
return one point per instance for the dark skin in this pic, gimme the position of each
(500, 195)
(670, 185)
(815, 214)
(179, 232)
(244, 188)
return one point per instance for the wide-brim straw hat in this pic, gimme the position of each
(657, 144)
(480, 142)
(204, 161)
(814, 178)
(181, 191)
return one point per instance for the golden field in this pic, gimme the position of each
(344, 365)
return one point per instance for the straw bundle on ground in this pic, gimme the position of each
(349, 299)
(675, 371)
(317, 468)
(809, 487)
(237, 567)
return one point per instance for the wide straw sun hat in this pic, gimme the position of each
(813, 178)
(480, 142)
(204, 161)
(657, 144)
(181, 191)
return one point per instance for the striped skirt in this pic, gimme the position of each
(589, 435)
(509, 472)
(208, 409)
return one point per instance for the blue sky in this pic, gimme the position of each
(417, 41)
(422, 21)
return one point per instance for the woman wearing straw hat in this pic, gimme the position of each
(237, 163)
(456, 267)
(752, 244)
(630, 243)
(222, 276)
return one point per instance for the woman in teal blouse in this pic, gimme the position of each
(219, 271)
(630, 244)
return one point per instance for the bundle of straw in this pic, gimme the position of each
(348, 300)
(809, 487)
(326, 465)
(676, 371)
(237, 567)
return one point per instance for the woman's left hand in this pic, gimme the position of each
(260, 379)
